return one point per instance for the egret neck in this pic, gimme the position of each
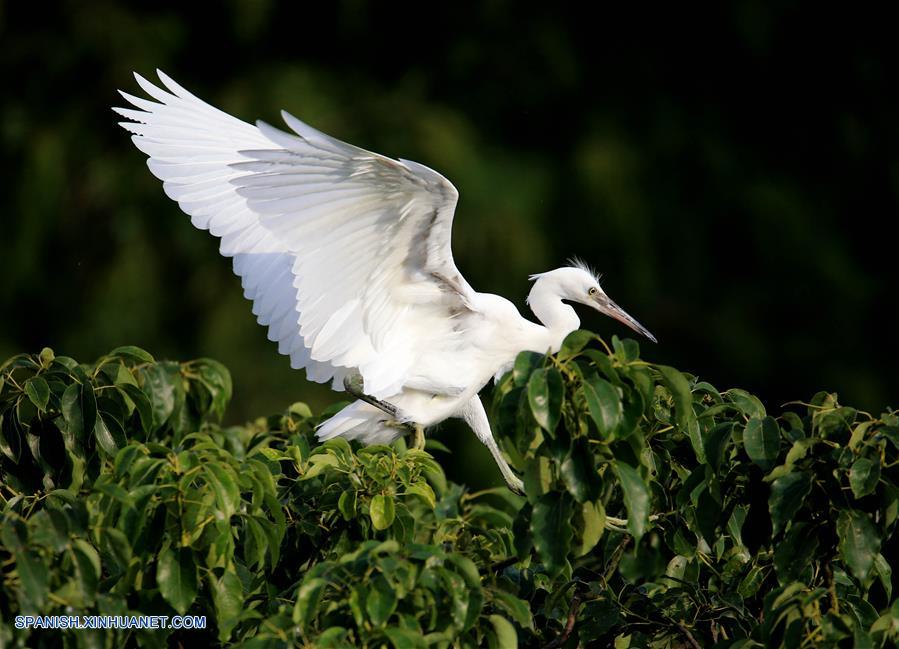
(558, 319)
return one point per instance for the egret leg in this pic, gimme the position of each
(476, 417)
(418, 439)
(353, 385)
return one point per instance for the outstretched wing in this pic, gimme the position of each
(345, 253)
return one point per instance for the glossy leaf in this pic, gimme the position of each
(381, 601)
(38, 392)
(604, 403)
(787, 496)
(636, 498)
(545, 393)
(579, 473)
(382, 511)
(679, 387)
(859, 543)
(308, 597)
(761, 439)
(176, 575)
(79, 409)
(551, 530)
(506, 637)
(133, 353)
(864, 476)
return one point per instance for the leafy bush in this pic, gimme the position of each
(660, 513)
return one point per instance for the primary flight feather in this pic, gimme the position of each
(346, 256)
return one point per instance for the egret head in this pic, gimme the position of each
(579, 283)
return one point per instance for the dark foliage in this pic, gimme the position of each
(660, 513)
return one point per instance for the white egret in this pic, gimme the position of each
(346, 256)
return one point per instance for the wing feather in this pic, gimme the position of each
(340, 249)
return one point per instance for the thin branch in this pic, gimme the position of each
(569, 625)
(499, 566)
(686, 633)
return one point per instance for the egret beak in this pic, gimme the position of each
(604, 304)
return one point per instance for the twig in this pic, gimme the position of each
(615, 558)
(569, 625)
(499, 566)
(686, 632)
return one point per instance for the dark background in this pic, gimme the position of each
(732, 171)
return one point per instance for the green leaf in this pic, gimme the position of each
(859, 543)
(717, 443)
(574, 343)
(38, 392)
(885, 574)
(382, 511)
(761, 439)
(141, 403)
(308, 596)
(551, 529)
(116, 545)
(11, 435)
(506, 636)
(381, 601)
(685, 418)
(79, 409)
(750, 584)
(176, 575)
(517, 608)
(227, 494)
(636, 498)
(545, 394)
(108, 440)
(604, 403)
(794, 553)
(579, 472)
(217, 379)
(160, 392)
(88, 566)
(228, 598)
(34, 577)
(746, 403)
(525, 363)
(628, 350)
(346, 504)
(405, 638)
(594, 517)
(132, 352)
(787, 495)
(735, 523)
(864, 476)
(424, 491)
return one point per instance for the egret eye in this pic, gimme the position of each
(593, 291)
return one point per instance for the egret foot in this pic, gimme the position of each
(418, 437)
(514, 483)
(353, 385)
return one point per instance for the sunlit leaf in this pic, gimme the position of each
(308, 597)
(382, 511)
